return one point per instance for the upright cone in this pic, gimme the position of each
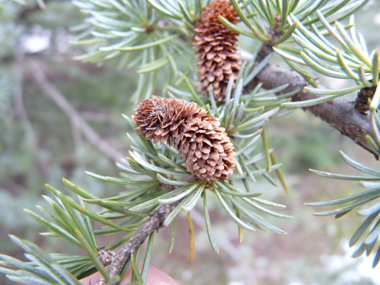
(216, 48)
(197, 136)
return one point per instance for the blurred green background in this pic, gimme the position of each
(38, 145)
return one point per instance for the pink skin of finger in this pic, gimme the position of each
(155, 277)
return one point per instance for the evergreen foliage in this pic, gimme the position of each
(153, 38)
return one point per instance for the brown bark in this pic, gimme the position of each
(154, 222)
(338, 113)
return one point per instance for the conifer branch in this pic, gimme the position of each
(151, 35)
(153, 223)
(338, 113)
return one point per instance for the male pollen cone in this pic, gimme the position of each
(197, 136)
(216, 48)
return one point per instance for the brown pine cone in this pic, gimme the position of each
(196, 135)
(216, 49)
